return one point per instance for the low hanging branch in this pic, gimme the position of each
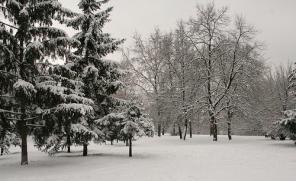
(11, 26)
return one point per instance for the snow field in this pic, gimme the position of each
(161, 159)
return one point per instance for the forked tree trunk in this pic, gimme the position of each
(130, 147)
(180, 131)
(84, 149)
(185, 129)
(190, 129)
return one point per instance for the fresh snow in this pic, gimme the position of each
(161, 159)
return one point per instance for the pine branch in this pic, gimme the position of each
(11, 26)
(35, 125)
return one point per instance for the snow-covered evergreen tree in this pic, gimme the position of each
(26, 38)
(69, 111)
(100, 77)
(126, 125)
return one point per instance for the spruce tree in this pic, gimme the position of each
(100, 77)
(67, 110)
(25, 41)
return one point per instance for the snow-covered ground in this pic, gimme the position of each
(162, 159)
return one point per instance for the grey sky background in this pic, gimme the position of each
(274, 19)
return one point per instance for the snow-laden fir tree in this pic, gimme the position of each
(100, 77)
(26, 38)
(67, 110)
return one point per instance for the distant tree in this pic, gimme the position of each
(289, 122)
(126, 125)
(147, 63)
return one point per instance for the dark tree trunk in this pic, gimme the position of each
(111, 142)
(185, 130)
(84, 149)
(162, 130)
(211, 128)
(180, 131)
(215, 130)
(229, 116)
(126, 142)
(190, 129)
(68, 143)
(159, 129)
(24, 159)
(23, 131)
(130, 147)
(174, 129)
(2, 151)
(229, 131)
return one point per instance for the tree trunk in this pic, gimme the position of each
(180, 131)
(69, 143)
(126, 142)
(185, 130)
(159, 129)
(215, 130)
(190, 129)
(111, 142)
(24, 159)
(174, 129)
(211, 128)
(85, 149)
(162, 130)
(229, 116)
(130, 147)
(2, 151)
(229, 131)
(23, 131)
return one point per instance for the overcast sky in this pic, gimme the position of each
(274, 19)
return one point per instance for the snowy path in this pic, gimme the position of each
(162, 159)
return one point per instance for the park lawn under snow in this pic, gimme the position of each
(161, 159)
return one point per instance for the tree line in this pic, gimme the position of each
(210, 69)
